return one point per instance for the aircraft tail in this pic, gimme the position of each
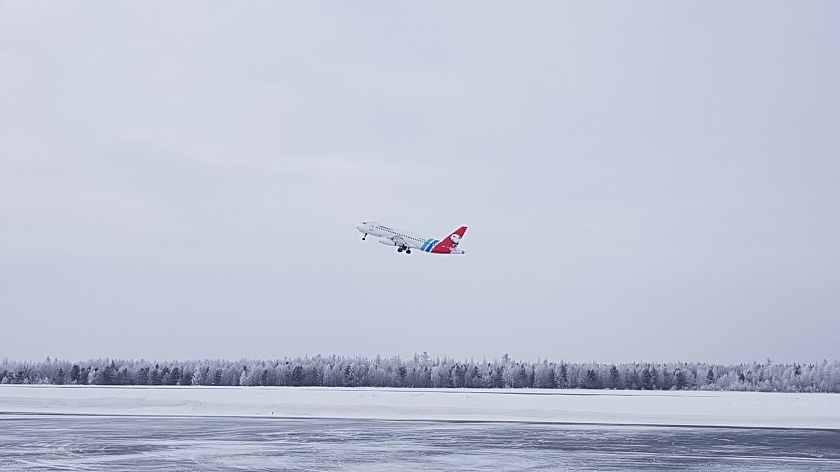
(449, 245)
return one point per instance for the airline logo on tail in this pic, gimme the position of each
(450, 244)
(405, 241)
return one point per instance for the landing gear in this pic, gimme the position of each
(404, 248)
(408, 251)
(400, 249)
(363, 237)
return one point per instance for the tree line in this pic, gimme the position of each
(422, 371)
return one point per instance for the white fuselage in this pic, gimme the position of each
(402, 239)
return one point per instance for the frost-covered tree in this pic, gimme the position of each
(423, 371)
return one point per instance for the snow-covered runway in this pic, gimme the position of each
(109, 443)
(252, 428)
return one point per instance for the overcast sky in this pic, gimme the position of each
(653, 181)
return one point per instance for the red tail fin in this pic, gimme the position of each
(450, 244)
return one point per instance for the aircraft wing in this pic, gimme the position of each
(400, 241)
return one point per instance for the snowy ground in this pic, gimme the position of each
(107, 443)
(615, 407)
(276, 428)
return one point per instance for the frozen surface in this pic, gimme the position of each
(66, 442)
(276, 428)
(618, 407)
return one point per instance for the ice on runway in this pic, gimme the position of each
(92, 443)
(371, 429)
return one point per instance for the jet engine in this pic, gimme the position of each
(387, 241)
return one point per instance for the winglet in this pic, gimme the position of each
(450, 244)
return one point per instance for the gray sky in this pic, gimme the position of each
(641, 180)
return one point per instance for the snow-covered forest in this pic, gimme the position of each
(424, 371)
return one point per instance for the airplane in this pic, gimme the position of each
(406, 242)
